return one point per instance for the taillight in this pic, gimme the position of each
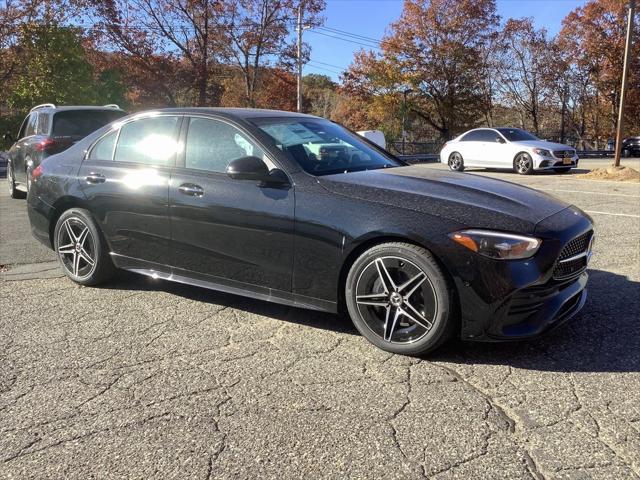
(36, 173)
(46, 145)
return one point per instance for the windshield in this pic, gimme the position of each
(323, 148)
(516, 134)
(81, 123)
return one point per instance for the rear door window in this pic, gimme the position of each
(475, 136)
(151, 141)
(80, 123)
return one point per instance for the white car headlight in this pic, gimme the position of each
(497, 245)
(542, 151)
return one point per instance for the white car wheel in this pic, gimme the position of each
(456, 162)
(523, 164)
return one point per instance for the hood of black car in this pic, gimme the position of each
(471, 200)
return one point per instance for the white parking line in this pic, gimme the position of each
(613, 214)
(594, 193)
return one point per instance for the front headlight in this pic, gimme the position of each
(498, 245)
(542, 151)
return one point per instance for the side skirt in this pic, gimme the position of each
(186, 277)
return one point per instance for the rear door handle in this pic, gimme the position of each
(191, 189)
(95, 178)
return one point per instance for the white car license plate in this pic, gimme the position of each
(566, 161)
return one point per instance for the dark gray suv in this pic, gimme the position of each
(48, 130)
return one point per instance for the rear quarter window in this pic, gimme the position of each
(43, 124)
(103, 148)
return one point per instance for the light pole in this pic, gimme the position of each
(405, 92)
(625, 68)
(299, 62)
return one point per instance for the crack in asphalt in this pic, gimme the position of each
(135, 371)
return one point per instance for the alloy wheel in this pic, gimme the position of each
(76, 248)
(523, 163)
(396, 300)
(455, 161)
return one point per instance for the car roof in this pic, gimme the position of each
(243, 113)
(68, 108)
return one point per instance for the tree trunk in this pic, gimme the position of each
(202, 84)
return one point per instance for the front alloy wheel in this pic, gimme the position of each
(398, 298)
(523, 164)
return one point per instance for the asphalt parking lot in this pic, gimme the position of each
(147, 379)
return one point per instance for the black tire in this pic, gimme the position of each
(562, 170)
(92, 247)
(432, 298)
(11, 180)
(456, 162)
(523, 164)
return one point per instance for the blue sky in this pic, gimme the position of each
(371, 18)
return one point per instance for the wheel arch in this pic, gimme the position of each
(59, 207)
(513, 161)
(378, 239)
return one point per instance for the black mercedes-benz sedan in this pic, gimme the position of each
(296, 209)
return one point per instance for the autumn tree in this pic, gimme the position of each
(593, 37)
(54, 68)
(435, 48)
(525, 65)
(320, 94)
(257, 31)
(14, 14)
(150, 31)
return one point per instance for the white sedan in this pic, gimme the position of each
(510, 148)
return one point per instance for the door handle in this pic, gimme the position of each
(191, 189)
(95, 178)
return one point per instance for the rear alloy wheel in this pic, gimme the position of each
(13, 190)
(456, 162)
(80, 248)
(398, 299)
(523, 164)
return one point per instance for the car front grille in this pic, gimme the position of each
(573, 257)
(564, 153)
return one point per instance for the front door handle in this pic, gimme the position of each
(95, 178)
(191, 189)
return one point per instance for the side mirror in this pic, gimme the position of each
(500, 140)
(7, 137)
(253, 168)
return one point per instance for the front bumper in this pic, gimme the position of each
(551, 163)
(536, 310)
(516, 299)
